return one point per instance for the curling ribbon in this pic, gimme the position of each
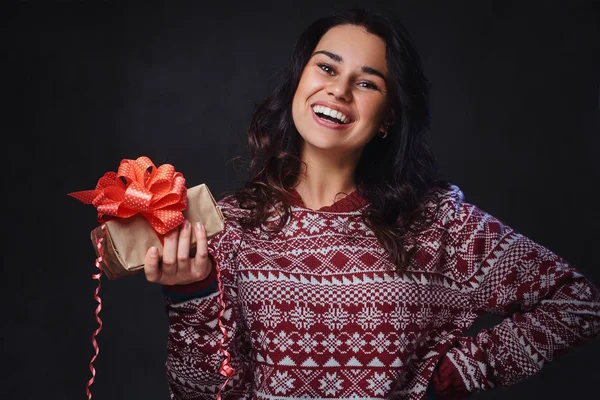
(226, 369)
(97, 276)
(139, 187)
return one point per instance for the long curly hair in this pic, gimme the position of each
(394, 175)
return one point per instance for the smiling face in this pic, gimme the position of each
(342, 98)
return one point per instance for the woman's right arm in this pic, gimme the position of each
(199, 313)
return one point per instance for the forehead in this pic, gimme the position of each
(355, 45)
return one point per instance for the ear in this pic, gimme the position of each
(388, 121)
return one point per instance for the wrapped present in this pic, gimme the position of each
(137, 205)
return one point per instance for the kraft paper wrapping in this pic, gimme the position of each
(128, 239)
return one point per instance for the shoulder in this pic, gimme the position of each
(228, 203)
(231, 209)
(461, 235)
(445, 204)
(231, 235)
(454, 220)
(450, 210)
(444, 199)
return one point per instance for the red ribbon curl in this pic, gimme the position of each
(97, 276)
(225, 368)
(139, 187)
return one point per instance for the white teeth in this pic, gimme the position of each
(332, 113)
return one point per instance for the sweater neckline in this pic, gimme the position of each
(354, 201)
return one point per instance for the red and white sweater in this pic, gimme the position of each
(318, 312)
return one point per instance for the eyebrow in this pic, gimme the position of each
(339, 59)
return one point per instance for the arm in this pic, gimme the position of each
(549, 307)
(194, 339)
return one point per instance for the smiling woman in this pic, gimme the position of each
(346, 74)
(347, 268)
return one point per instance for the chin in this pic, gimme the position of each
(323, 144)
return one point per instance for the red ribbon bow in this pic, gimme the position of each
(138, 187)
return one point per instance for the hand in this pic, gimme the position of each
(177, 268)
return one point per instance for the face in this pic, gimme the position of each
(342, 99)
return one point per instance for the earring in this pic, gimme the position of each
(384, 132)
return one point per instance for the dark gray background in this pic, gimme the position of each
(515, 91)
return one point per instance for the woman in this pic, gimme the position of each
(347, 268)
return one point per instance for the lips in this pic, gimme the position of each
(344, 110)
(330, 124)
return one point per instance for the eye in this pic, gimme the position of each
(326, 68)
(367, 85)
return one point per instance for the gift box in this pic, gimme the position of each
(137, 206)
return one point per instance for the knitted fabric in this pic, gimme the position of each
(318, 311)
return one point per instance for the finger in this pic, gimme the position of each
(169, 259)
(151, 268)
(183, 247)
(200, 262)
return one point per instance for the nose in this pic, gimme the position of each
(340, 89)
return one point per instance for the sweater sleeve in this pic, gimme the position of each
(548, 307)
(194, 340)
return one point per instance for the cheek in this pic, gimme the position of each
(297, 105)
(307, 86)
(372, 110)
(310, 83)
(298, 94)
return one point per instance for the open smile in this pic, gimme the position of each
(329, 121)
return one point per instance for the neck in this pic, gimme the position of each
(325, 179)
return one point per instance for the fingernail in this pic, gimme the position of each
(198, 226)
(153, 251)
(186, 224)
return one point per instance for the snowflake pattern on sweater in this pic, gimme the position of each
(317, 311)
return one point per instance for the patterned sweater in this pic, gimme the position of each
(318, 311)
